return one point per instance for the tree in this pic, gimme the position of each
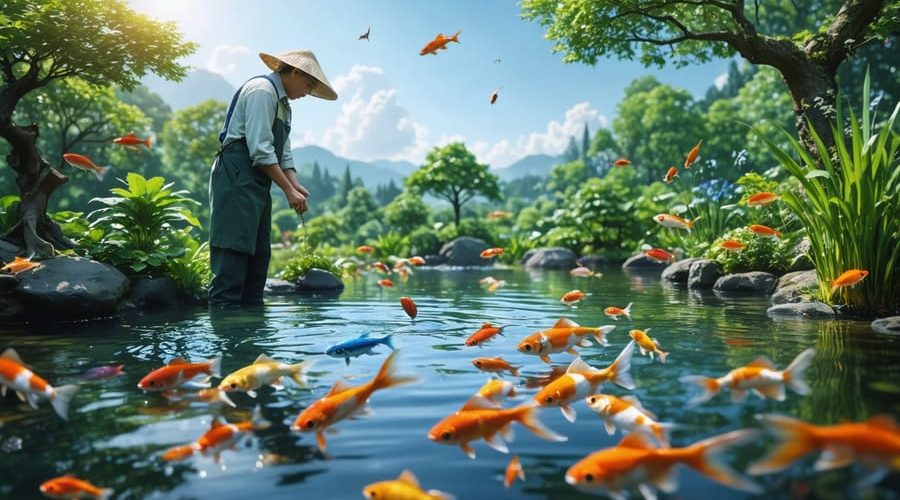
(738, 76)
(149, 102)
(406, 212)
(452, 173)
(346, 185)
(602, 151)
(359, 209)
(566, 178)
(384, 194)
(102, 42)
(571, 153)
(806, 45)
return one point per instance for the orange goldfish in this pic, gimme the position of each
(513, 470)
(627, 414)
(491, 252)
(405, 487)
(132, 141)
(541, 381)
(495, 94)
(409, 307)
(763, 198)
(386, 283)
(343, 401)
(69, 486)
(485, 333)
(732, 246)
(381, 267)
(875, 442)
(496, 365)
(848, 278)
(582, 379)
(621, 162)
(20, 264)
(573, 297)
(648, 345)
(494, 391)
(179, 372)
(416, 261)
(670, 176)
(765, 231)
(365, 249)
(30, 387)
(220, 437)
(214, 397)
(489, 423)
(614, 312)
(659, 255)
(85, 163)
(692, 155)
(439, 43)
(492, 283)
(584, 272)
(635, 462)
(760, 376)
(498, 214)
(675, 222)
(564, 335)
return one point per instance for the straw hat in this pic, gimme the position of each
(305, 61)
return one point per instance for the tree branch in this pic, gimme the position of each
(850, 22)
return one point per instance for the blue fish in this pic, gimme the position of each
(358, 346)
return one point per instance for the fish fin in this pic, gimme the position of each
(62, 396)
(468, 450)
(621, 368)
(11, 354)
(338, 387)
(565, 323)
(775, 391)
(834, 457)
(580, 367)
(386, 377)
(496, 442)
(320, 441)
(627, 310)
(529, 420)
(616, 494)
(610, 426)
(661, 432)
(662, 354)
(636, 440)
(738, 395)
(409, 478)
(223, 397)
(707, 459)
(568, 412)
(439, 495)
(347, 361)
(262, 358)
(508, 433)
(277, 384)
(545, 358)
(600, 334)
(479, 402)
(795, 438)
(885, 422)
(644, 352)
(582, 343)
(647, 491)
(215, 366)
(762, 362)
(298, 370)
(572, 351)
(387, 340)
(259, 422)
(793, 375)
(178, 360)
(26, 399)
(251, 393)
(101, 172)
(710, 387)
(634, 401)
(193, 385)
(106, 493)
(364, 334)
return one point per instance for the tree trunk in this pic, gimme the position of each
(813, 91)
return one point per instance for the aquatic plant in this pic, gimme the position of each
(191, 271)
(849, 204)
(392, 243)
(308, 259)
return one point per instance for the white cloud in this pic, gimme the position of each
(721, 80)
(225, 58)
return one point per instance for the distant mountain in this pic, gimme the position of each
(371, 173)
(530, 165)
(198, 86)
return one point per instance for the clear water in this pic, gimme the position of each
(117, 433)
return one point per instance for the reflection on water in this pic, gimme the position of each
(117, 433)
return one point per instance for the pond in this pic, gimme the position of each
(117, 433)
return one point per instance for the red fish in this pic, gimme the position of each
(409, 306)
(670, 176)
(621, 162)
(732, 246)
(848, 278)
(485, 333)
(30, 387)
(659, 255)
(85, 163)
(573, 297)
(692, 155)
(513, 470)
(495, 365)
(416, 260)
(132, 141)
(178, 372)
(69, 486)
(614, 312)
(764, 231)
(365, 249)
(491, 252)
(763, 198)
(20, 264)
(439, 43)
(495, 94)
(386, 283)
(381, 267)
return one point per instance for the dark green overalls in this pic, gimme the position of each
(241, 217)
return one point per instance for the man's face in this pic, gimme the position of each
(298, 84)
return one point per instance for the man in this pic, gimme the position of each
(255, 152)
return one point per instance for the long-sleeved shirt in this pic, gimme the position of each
(253, 116)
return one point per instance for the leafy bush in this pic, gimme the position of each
(473, 228)
(307, 259)
(324, 229)
(516, 245)
(406, 212)
(9, 206)
(850, 206)
(367, 232)
(424, 241)
(761, 254)
(191, 271)
(392, 244)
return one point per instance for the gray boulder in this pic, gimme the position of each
(434, 260)
(8, 251)
(888, 325)
(8, 282)
(792, 286)
(551, 258)
(279, 287)
(11, 308)
(71, 288)
(703, 274)
(318, 280)
(528, 254)
(465, 251)
(677, 272)
(801, 260)
(154, 292)
(756, 282)
(641, 261)
(813, 309)
(593, 262)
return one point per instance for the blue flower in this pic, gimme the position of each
(715, 190)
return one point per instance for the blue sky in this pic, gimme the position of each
(395, 104)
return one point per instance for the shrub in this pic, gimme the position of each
(307, 259)
(392, 244)
(761, 254)
(424, 241)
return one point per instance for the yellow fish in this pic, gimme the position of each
(264, 371)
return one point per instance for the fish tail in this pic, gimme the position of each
(600, 334)
(106, 493)
(690, 224)
(223, 397)
(709, 385)
(215, 366)
(149, 142)
(627, 310)
(439, 495)
(707, 459)
(455, 37)
(62, 396)
(178, 453)
(660, 431)
(793, 374)
(386, 377)
(528, 418)
(387, 340)
(621, 368)
(796, 438)
(100, 172)
(662, 355)
(297, 371)
(259, 422)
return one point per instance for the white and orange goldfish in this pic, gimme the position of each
(634, 462)
(343, 401)
(179, 372)
(439, 43)
(692, 155)
(19, 265)
(627, 414)
(614, 312)
(648, 346)
(494, 391)
(493, 284)
(416, 260)
(69, 486)
(573, 297)
(670, 176)
(675, 222)
(264, 371)
(485, 421)
(563, 336)
(513, 470)
(31, 387)
(220, 437)
(582, 379)
(405, 487)
(760, 376)
(85, 163)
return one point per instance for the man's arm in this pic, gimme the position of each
(295, 197)
(292, 178)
